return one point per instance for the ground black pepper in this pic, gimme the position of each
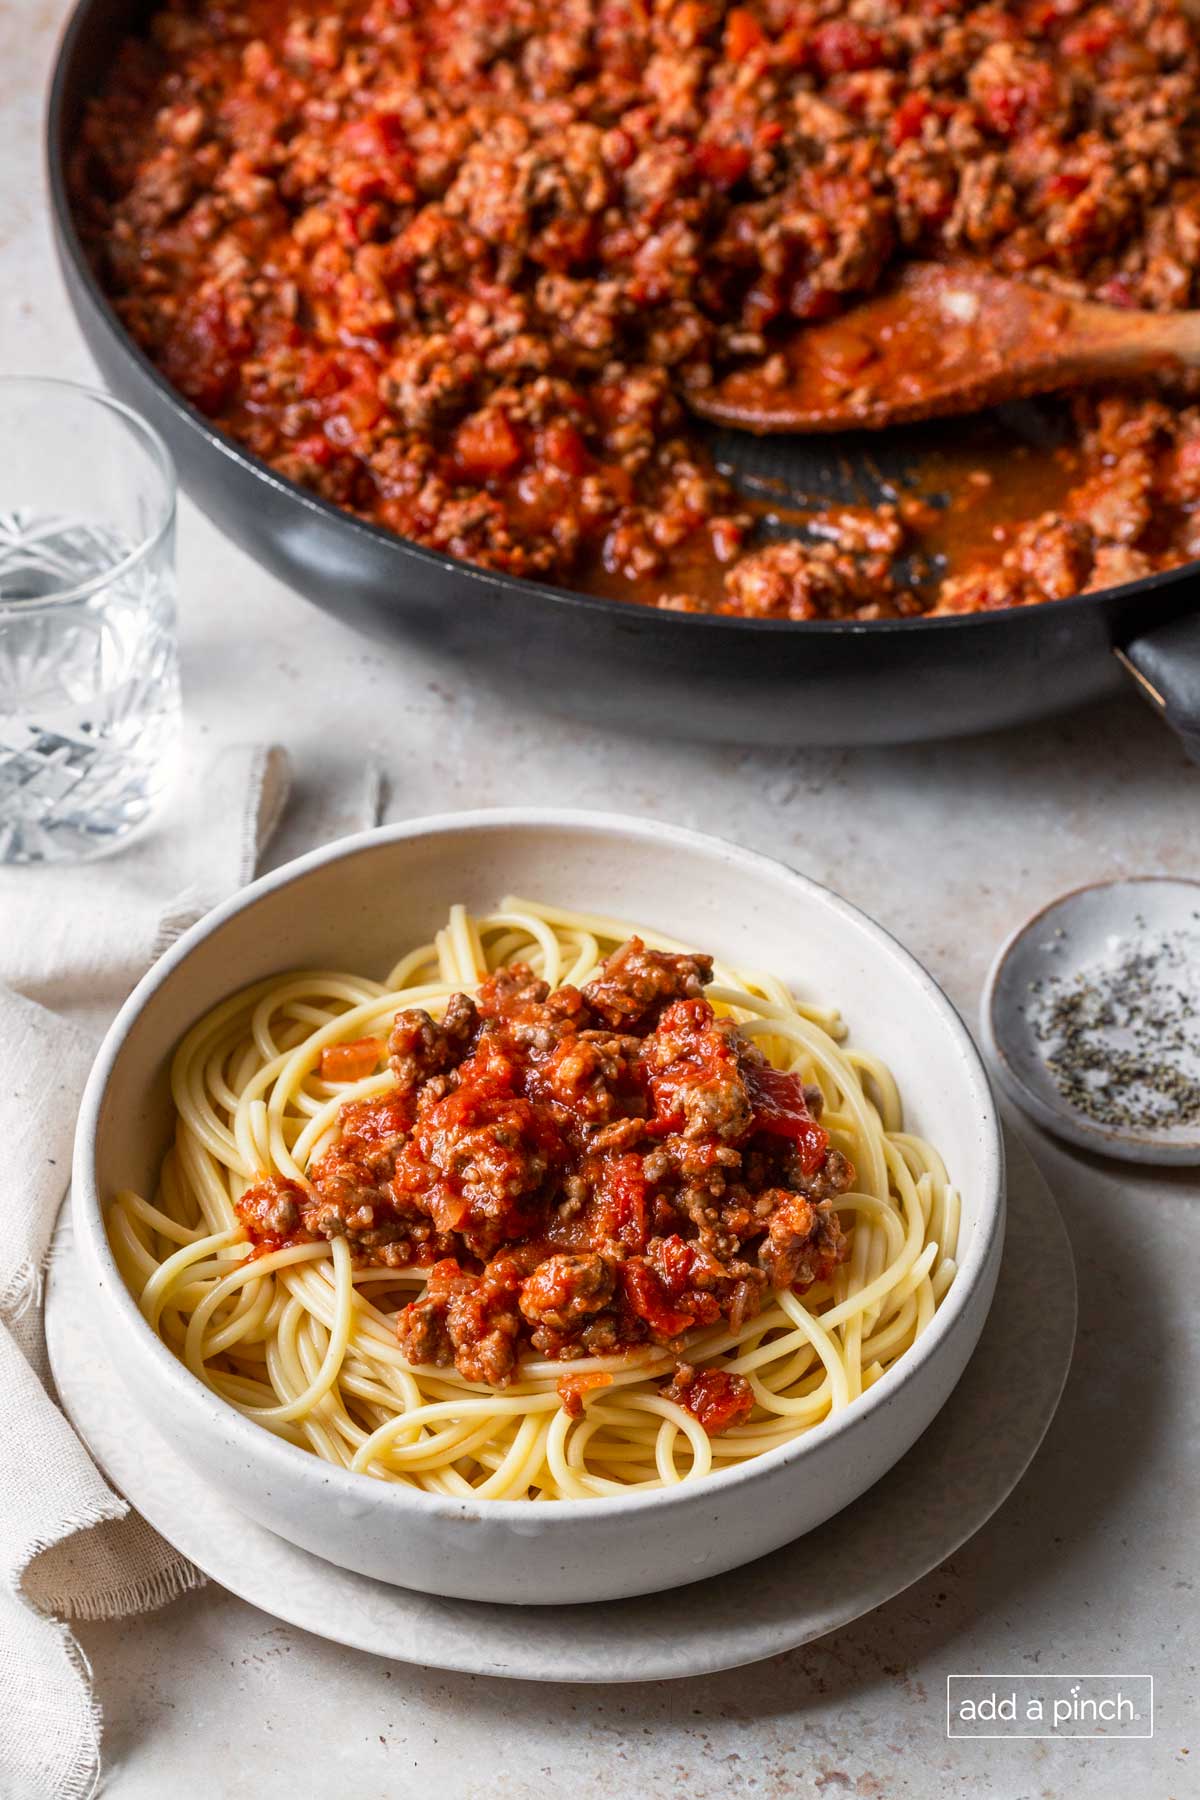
(1122, 1037)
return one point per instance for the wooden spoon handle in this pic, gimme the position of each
(1127, 341)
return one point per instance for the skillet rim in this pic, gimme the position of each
(252, 469)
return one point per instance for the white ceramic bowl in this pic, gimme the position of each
(356, 905)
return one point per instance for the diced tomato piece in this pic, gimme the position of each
(649, 1299)
(322, 377)
(675, 1263)
(778, 1098)
(621, 1193)
(377, 162)
(743, 34)
(215, 330)
(1065, 186)
(722, 164)
(204, 356)
(1003, 107)
(715, 1398)
(781, 1110)
(909, 117)
(353, 1061)
(486, 446)
(562, 448)
(316, 448)
(376, 137)
(1091, 37)
(361, 408)
(687, 1274)
(840, 47)
(1013, 107)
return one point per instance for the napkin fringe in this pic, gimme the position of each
(81, 1781)
(102, 1511)
(253, 781)
(184, 912)
(146, 1594)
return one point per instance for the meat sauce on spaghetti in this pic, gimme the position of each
(582, 1172)
(457, 266)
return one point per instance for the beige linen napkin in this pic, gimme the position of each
(73, 942)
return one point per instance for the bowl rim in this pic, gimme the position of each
(290, 1462)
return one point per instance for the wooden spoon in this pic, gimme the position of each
(945, 338)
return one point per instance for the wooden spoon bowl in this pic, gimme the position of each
(944, 339)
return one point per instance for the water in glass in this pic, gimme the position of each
(89, 684)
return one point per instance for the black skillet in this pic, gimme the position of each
(626, 666)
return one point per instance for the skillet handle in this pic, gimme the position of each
(1165, 663)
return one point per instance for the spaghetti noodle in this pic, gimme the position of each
(299, 1331)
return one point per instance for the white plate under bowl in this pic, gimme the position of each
(358, 903)
(948, 1485)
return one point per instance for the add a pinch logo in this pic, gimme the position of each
(1053, 1706)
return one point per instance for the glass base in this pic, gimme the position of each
(63, 801)
(68, 842)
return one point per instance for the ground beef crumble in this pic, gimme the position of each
(582, 1172)
(457, 267)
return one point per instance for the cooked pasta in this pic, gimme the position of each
(356, 1321)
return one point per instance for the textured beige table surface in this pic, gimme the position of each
(1093, 1563)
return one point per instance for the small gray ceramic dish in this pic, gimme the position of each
(356, 904)
(1052, 954)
